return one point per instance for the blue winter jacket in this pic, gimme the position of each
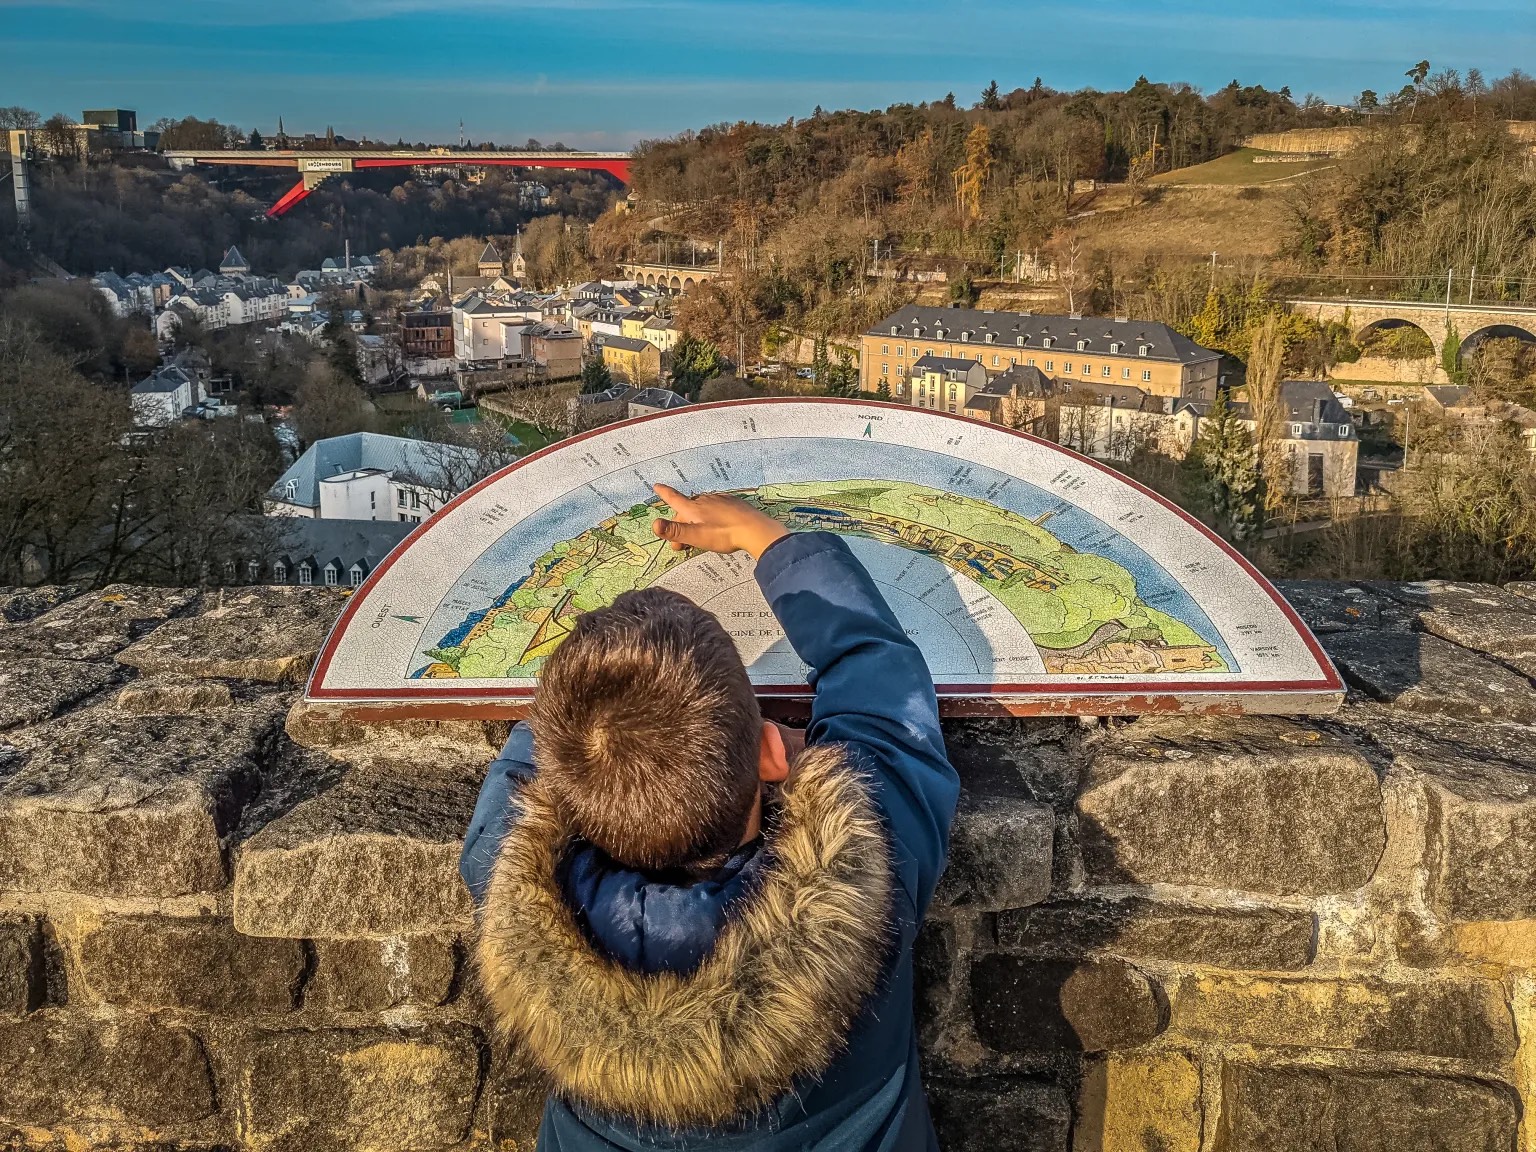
(873, 697)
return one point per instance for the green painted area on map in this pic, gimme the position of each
(1081, 610)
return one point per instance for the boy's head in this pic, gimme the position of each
(649, 732)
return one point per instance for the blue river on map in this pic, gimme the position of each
(750, 463)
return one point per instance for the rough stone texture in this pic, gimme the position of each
(1308, 1110)
(376, 975)
(1196, 933)
(1263, 806)
(54, 1069)
(95, 626)
(1426, 674)
(1024, 1005)
(18, 605)
(174, 695)
(21, 962)
(375, 856)
(1478, 617)
(1525, 589)
(1267, 939)
(1460, 1019)
(1136, 1103)
(390, 744)
(999, 855)
(270, 635)
(201, 964)
(1001, 1115)
(361, 1090)
(33, 690)
(110, 805)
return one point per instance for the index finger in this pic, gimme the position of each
(675, 499)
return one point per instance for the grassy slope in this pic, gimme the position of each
(1239, 169)
(1189, 222)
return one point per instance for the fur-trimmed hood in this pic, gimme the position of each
(772, 1003)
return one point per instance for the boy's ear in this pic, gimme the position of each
(772, 759)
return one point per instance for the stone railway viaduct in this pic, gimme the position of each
(1471, 322)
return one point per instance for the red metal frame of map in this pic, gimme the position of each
(1037, 699)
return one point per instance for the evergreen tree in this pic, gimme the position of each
(990, 100)
(821, 363)
(693, 362)
(843, 377)
(884, 390)
(1221, 474)
(1450, 356)
(255, 141)
(595, 376)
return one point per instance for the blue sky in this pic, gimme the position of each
(604, 73)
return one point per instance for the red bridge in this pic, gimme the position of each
(316, 167)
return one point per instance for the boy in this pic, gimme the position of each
(702, 932)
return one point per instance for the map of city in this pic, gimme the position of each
(1032, 579)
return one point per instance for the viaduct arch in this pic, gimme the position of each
(1471, 321)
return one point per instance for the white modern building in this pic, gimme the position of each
(480, 323)
(366, 476)
(161, 399)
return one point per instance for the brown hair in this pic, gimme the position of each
(648, 731)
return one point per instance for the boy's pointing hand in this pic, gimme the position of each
(715, 523)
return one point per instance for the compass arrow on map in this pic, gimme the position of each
(408, 619)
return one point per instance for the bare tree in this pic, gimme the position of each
(1265, 367)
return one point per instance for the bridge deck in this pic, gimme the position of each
(291, 156)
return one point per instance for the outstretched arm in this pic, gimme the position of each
(873, 688)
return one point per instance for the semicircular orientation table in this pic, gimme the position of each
(1035, 581)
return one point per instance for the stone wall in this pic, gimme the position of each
(226, 925)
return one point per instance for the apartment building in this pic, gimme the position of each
(1144, 355)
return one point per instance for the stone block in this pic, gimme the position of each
(55, 1069)
(377, 975)
(1022, 1005)
(111, 805)
(200, 964)
(95, 626)
(1139, 1103)
(1287, 1109)
(1328, 606)
(33, 690)
(1485, 619)
(173, 695)
(369, 1090)
(1263, 939)
(375, 856)
(19, 605)
(999, 854)
(21, 965)
(270, 635)
(437, 745)
(1460, 1019)
(1002, 1114)
(1257, 805)
(1426, 674)
(1035, 760)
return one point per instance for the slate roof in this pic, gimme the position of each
(944, 365)
(663, 398)
(233, 259)
(1305, 402)
(351, 541)
(360, 450)
(612, 395)
(490, 255)
(625, 343)
(161, 381)
(1451, 395)
(1008, 328)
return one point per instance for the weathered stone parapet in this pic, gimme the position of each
(230, 923)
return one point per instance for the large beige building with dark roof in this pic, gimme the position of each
(1138, 353)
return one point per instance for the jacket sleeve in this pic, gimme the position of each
(873, 690)
(508, 772)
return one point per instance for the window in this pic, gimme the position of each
(373, 499)
(991, 338)
(415, 499)
(978, 357)
(291, 489)
(1125, 373)
(951, 391)
(1087, 369)
(1049, 341)
(229, 569)
(895, 330)
(1030, 362)
(1343, 431)
(994, 360)
(899, 350)
(951, 407)
(332, 577)
(1295, 431)
(355, 576)
(901, 370)
(965, 337)
(885, 349)
(280, 573)
(1108, 371)
(1146, 374)
(1066, 365)
(1145, 348)
(1050, 365)
(1114, 347)
(1021, 341)
(885, 369)
(252, 572)
(901, 389)
(306, 574)
(401, 498)
(1082, 345)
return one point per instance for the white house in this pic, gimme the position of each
(366, 476)
(478, 321)
(161, 399)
